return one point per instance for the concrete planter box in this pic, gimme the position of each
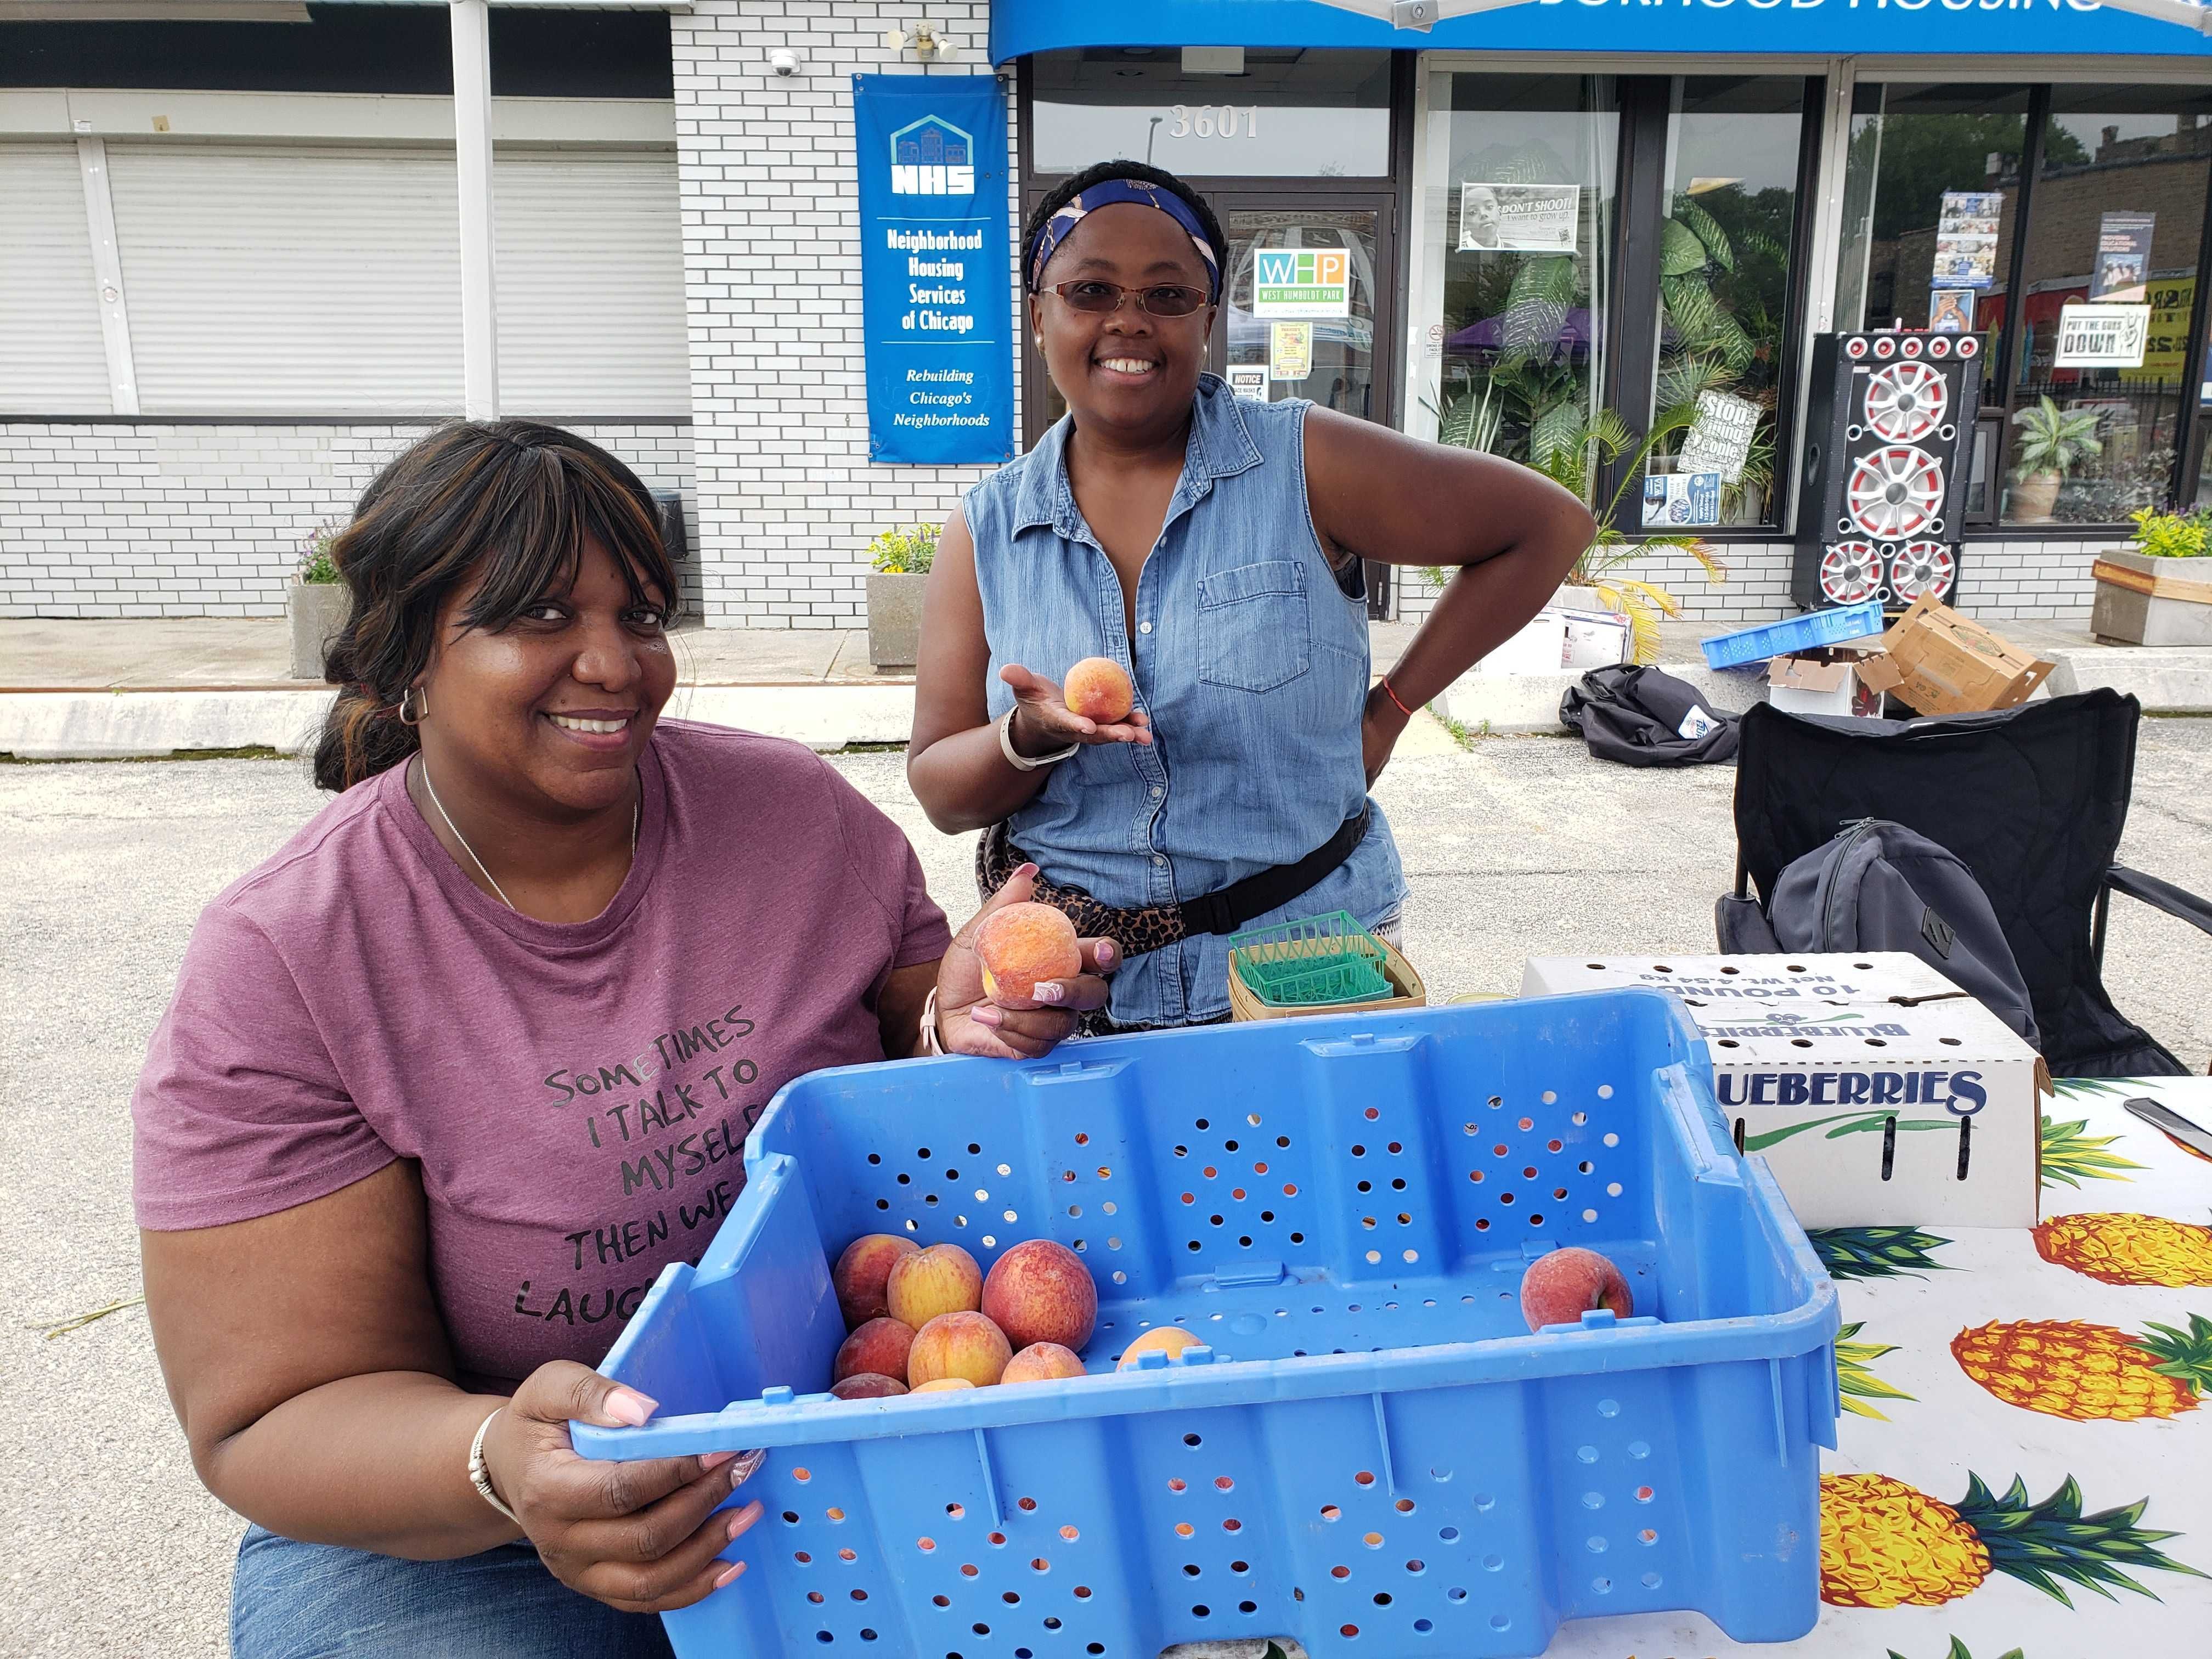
(2146, 601)
(894, 619)
(316, 611)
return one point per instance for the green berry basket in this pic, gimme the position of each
(1325, 964)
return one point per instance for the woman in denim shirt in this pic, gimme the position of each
(1211, 546)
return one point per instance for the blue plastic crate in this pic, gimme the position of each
(1372, 1455)
(1805, 633)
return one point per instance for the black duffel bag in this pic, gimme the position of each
(1644, 716)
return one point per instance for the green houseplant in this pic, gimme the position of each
(2157, 590)
(315, 604)
(900, 558)
(2051, 440)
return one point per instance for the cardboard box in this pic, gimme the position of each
(1940, 663)
(1557, 641)
(1878, 1093)
(1595, 639)
(1821, 682)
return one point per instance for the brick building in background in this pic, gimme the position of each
(229, 273)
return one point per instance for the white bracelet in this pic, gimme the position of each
(930, 1041)
(480, 1475)
(1015, 758)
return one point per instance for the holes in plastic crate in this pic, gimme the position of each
(1651, 1581)
(1071, 1535)
(956, 1511)
(1373, 1539)
(1184, 1530)
(995, 1540)
(1644, 1494)
(1649, 1535)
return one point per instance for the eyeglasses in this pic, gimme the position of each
(1103, 298)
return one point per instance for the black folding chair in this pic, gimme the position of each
(2031, 800)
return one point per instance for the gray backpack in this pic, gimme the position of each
(1880, 886)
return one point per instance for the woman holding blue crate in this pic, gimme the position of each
(449, 1079)
(1210, 547)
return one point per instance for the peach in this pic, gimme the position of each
(943, 1278)
(1039, 1291)
(1041, 1362)
(1097, 689)
(880, 1346)
(1561, 1285)
(1021, 945)
(1169, 1339)
(958, 1344)
(866, 1385)
(860, 1275)
(942, 1385)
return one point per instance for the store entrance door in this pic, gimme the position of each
(1310, 292)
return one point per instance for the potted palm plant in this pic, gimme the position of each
(314, 606)
(2157, 590)
(902, 558)
(2050, 441)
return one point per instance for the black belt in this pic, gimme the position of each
(1230, 908)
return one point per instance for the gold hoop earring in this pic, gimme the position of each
(404, 696)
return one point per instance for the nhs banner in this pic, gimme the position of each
(935, 302)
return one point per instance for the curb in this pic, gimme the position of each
(153, 724)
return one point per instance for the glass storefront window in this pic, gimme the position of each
(1518, 217)
(2116, 217)
(1290, 113)
(1733, 144)
(1930, 194)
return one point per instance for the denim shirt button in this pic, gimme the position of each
(1144, 628)
(1158, 792)
(1159, 858)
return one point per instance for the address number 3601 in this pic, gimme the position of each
(1213, 120)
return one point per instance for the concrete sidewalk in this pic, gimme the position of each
(108, 690)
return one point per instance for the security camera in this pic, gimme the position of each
(784, 61)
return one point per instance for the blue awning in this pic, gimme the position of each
(1966, 28)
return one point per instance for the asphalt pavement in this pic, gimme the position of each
(1521, 845)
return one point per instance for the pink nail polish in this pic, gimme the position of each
(989, 1018)
(735, 1568)
(1048, 993)
(629, 1407)
(716, 1460)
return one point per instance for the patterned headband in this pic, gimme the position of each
(1056, 230)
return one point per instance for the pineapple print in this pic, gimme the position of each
(1884, 1544)
(1875, 1252)
(2069, 1368)
(2071, 1157)
(1855, 1377)
(2127, 1249)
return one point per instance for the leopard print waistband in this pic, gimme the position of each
(1136, 931)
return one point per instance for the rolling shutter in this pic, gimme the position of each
(291, 279)
(51, 359)
(591, 284)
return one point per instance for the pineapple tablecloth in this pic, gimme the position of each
(2025, 1464)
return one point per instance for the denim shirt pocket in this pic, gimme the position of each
(1255, 632)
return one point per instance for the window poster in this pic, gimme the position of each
(1680, 501)
(2102, 335)
(1720, 437)
(2123, 268)
(1249, 380)
(1951, 311)
(1518, 218)
(1967, 237)
(1300, 281)
(1289, 351)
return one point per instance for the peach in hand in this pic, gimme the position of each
(943, 1278)
(860, 1275)
(1169, 1339)
(1097, 689)
(880, 1346)
(1019, 947)
(866, 1385)
(1561, 1285)
(1039, 1291)
(965, 1345)
(1042, 1362)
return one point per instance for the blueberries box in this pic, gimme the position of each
(1878, 1093)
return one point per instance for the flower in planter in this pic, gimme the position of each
(906, 552)
(317, 567)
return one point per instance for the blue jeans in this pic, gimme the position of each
(294, 1600)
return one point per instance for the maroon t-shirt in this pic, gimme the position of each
(577, 1094)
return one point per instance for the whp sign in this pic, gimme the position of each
(934, 300)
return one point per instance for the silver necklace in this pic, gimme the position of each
(432, 790)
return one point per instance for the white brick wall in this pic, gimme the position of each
(157, 520)
(1998, 582)
(788, 500)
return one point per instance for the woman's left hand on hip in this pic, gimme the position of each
(1379, 727)
(970, 1023)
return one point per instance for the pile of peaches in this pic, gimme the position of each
(929, 1321)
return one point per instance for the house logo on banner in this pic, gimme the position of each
(933, 157)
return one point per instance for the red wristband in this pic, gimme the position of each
(1394, 697)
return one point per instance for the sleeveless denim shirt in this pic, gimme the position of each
(1251, 660)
